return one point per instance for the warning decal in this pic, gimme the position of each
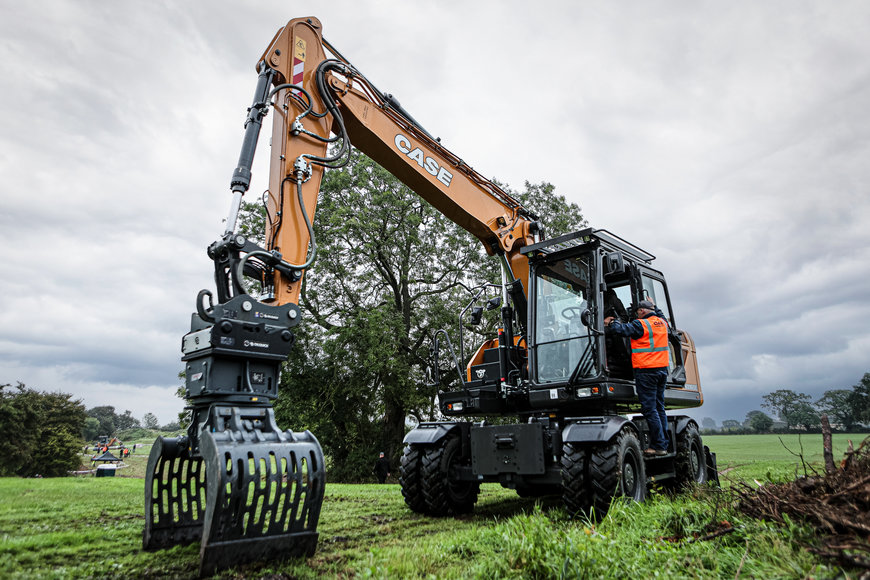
(299, 48)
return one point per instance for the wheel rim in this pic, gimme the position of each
(696, 462)
(630, 476)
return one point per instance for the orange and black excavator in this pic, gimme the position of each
(248, 490)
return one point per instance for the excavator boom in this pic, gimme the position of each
(308, 83)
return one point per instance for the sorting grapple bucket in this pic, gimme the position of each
(251, 496)
(239, 485)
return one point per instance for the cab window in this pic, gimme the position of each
(654, 289)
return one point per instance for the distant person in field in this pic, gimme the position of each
(382, 468)
(649, 358)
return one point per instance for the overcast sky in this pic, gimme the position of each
(730, 139)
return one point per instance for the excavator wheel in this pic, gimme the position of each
(691, 463)
(255, 493)
(411, 478)
(443, 492)
(616, 469)
(575, 492)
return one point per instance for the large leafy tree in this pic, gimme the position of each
(789, 406)
(126, 421)
(391, 270)
(860, 399)
(40, 433)
(758, 421)
(91, 429)
(805, 416)
(149, 421)
(838, 405)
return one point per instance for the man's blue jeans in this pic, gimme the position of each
(650, 384)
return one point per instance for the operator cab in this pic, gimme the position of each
(579, 280)
(567, 364)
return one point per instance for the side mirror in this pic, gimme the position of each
(586, 317)
(493, 303)
(613, 263)
(476, 315)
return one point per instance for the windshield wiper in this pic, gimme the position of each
(584, 365)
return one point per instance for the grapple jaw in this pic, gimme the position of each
(255, 494)
(242, 487)
(174, 495)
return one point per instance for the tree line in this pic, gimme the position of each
(43, 434)
(104, 420)
(846, 409)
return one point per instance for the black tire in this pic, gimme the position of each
(690, 465)
(616, 469)
(410, 477)
(443, 494)
(575, 492)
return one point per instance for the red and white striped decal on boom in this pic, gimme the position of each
(298, 69)
(299, 50)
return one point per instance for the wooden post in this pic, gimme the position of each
(826, 444)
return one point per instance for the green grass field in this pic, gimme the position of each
(773, 457)
(734, 449)
(92, 527)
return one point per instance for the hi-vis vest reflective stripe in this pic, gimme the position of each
(651, 350)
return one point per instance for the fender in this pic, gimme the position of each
(428, 433)
(681, 422)
(596, 429)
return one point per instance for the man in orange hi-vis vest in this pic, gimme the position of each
(649, 357)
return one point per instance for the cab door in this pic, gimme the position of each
(652, 287)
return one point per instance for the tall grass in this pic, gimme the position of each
(656, 539)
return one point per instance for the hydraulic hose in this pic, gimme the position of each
(270, 258)
(341, 158)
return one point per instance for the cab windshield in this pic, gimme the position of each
(562, 342)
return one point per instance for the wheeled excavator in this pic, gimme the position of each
(248, 490)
